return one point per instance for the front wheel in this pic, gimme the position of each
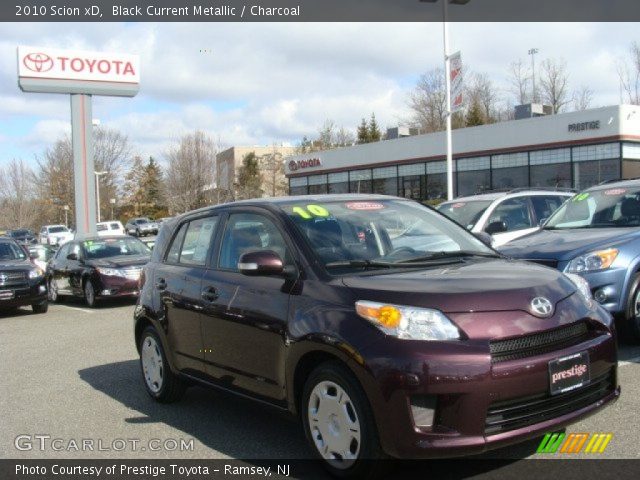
(161, 383)
(633, 310)
(338, 422)
(89, 294)
(52, 291)
(40, 307)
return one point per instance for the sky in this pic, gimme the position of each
(260, 84)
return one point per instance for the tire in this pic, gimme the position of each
(351, 415)
(89, 294)
(161, 383)
(52, 291)
(40, 307)
(632, 317)
(137, 233)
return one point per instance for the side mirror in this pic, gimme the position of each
(496, 227)
(485, 238)
(72, 256)
(261, 262)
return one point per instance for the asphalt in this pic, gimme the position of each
(73, 374)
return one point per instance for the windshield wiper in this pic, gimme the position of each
(454, 254)
(358, 264)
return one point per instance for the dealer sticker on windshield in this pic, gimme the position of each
(614, 192)
(364, 206)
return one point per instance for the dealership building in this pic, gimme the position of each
(570, 150)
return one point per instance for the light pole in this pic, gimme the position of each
(112, 201)
(533, 52)
(447, 75)
(66, 215)
(98, 190)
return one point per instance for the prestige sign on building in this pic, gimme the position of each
(80, 74)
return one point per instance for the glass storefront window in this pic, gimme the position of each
(298, 186)
(317, 184)
(338, 182)
(412, 186)
(556, 175)
(587, 174)
(513, 177)
(472, 182)
(298, 190)
(360, 181)
(437, 186)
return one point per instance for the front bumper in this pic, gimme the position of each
(117, 287)
(479, 404)
(611, 283)
(23, 295)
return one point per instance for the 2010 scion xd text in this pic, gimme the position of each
(386, 328)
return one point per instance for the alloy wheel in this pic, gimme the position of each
(52, 290)
(334, 424)
(152, 364)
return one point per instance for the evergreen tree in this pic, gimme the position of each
(133, 190)
(474, 115)
(152, 183)
(373, 129)
(249, 177)
(363, 132)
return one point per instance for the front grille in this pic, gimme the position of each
(12, 279)
(538, 343)
(546, 263)
(522, 412)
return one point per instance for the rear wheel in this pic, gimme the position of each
(89, 294)
(40, 307)
(161, 383)
(52, 291)
(338, 422)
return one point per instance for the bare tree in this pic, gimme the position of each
(629, 76)
(482, 92)
(554, 84)
(519, 79)
(17, 195)
(54, 180)
(191, 172)
(344, 138)
(111, 154)
(582, 98)
(274, 183)
(428, 102)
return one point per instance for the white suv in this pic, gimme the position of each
(112, 227)
(55, 235)
(505, 215)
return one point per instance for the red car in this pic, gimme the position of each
(95, 267)
(387, 328)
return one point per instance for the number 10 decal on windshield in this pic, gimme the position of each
(311, 211)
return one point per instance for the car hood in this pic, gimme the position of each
(15, 264)
(119, 262)
(470, 286)
(564, 245)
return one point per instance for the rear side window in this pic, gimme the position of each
(191, 244)
(115, 226)
(101, 227)
(545, 205)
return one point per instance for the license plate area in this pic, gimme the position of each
(568, 373)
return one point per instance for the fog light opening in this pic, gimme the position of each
(423, 408)
(600, 295)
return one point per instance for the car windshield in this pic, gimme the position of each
(20, 233)
(114, 247)
(11, 251)
(465, 212)
(42, 253)
(58, 229)
(380, 233)
(604, 208)
(141, 221)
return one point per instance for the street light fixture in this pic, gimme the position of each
(447, 76)
(112, 201)
(98, 190)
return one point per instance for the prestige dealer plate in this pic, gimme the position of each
(569, 373)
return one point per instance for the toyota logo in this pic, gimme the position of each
(38, 62)
(293, 165)
(541, 307)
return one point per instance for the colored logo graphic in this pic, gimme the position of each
(574, 443)
(38, 62)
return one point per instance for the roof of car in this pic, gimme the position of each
(633, 182)
(83, 237)
(490, 196)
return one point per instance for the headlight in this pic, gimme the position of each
(594, 261)
(583, 287)
(408, 322)
(111, 272)
(35, 273)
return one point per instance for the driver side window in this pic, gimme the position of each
(515, 214)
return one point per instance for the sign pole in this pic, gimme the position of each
(83, 166)
(447, 74)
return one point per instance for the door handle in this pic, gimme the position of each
(210, 294)
(161, 284)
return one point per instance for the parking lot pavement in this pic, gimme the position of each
(73, 374)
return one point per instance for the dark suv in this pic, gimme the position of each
(21, 282)
(319, 305)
